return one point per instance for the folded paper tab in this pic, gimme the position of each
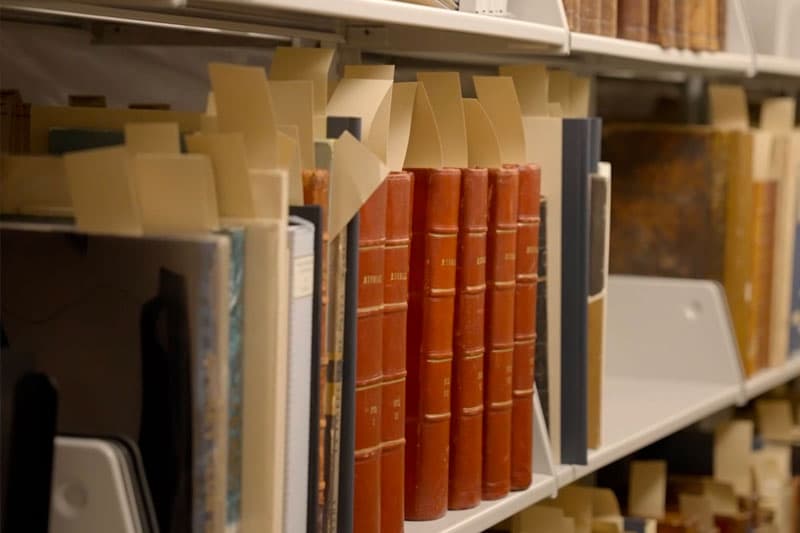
(289, 159)
(403, 97)
(498, 97)
(244, 105)
(371, 101)
(444, 93)
(153, 137)
(728, 107)
(294, 102)
(116, 192)
(775, 420)
(34, 185)
(733, 444)
(647, 490)
(424, 141)
(176, 193)
(531, 83)
(482, 143)
(270, 193)
(369, 72)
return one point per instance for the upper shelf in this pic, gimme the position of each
(531, 31)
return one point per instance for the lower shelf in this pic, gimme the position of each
(488, 513)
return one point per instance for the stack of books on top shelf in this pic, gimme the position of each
(716, 202)
(685, 24)
(313, 312)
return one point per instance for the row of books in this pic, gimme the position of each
(686, 24)
(742, 475)
(716, 202)
(144, 187)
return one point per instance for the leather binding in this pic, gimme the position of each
(466, 430)
(722, 24)
(662, 23)
(572, 9)
(682, 24)
(698, 24)
(315, 192)
(525, 326)
(499, 331)
(429, 338)
(590, 14)
(395, 311)
(634, 19)
(540, 361)
(369, 362)
(764, 206)
(713, 24)
(608, 18)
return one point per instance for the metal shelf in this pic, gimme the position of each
(769, 379)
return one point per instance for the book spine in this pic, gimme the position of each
(541, 369)
(468, 343)
(682, 24)
(395, 315)
(634, 20)
(525, 326)
(698, 24)
(315, 192)
(369, 362)
(499, 331)
(662, 23)
(590, 15)
(608, 18)
(429, 348)
(794, 328)
(722, 24)
(336, 312)
(712, 27)
(571, 8)
(764, 204)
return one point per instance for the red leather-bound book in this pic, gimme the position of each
(395, 311)
(369, 363)
(429, 348)
(501, 269)
(466, 427)
(525, 326)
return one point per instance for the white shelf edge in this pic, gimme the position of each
(777, 65)
(488, 513)
(766, 380)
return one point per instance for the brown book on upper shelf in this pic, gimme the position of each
(662, 22)
(395, 314)
(712, 10)
(722, 24)
(682, 24)
(315, 192)
(589, 15)
(369, 362)
(572, 9)
(429, 338)
(698, 24)
(634, 20)
(715, 188)
(501, 264)
(527, 276)
(608, 18)
(466, 430)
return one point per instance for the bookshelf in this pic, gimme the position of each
(669, 365)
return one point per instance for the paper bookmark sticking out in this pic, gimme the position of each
(647, 490)
(728, 107)
(778, 114)
(424, 142)
(34, 185)
(531, 83)
(153, 137)
(289, 159)
(733, 445)
(176, 193)
(482, 143)
(369, 100)
(270, 193)
(403, 97)
(294, 102)
(311, 64)
(356, 173)
(444, 93)
(103, 190)
(369, 72)
(96, 118)
(571, 92)
(229, 161)
(244, 104)
(498, 97)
